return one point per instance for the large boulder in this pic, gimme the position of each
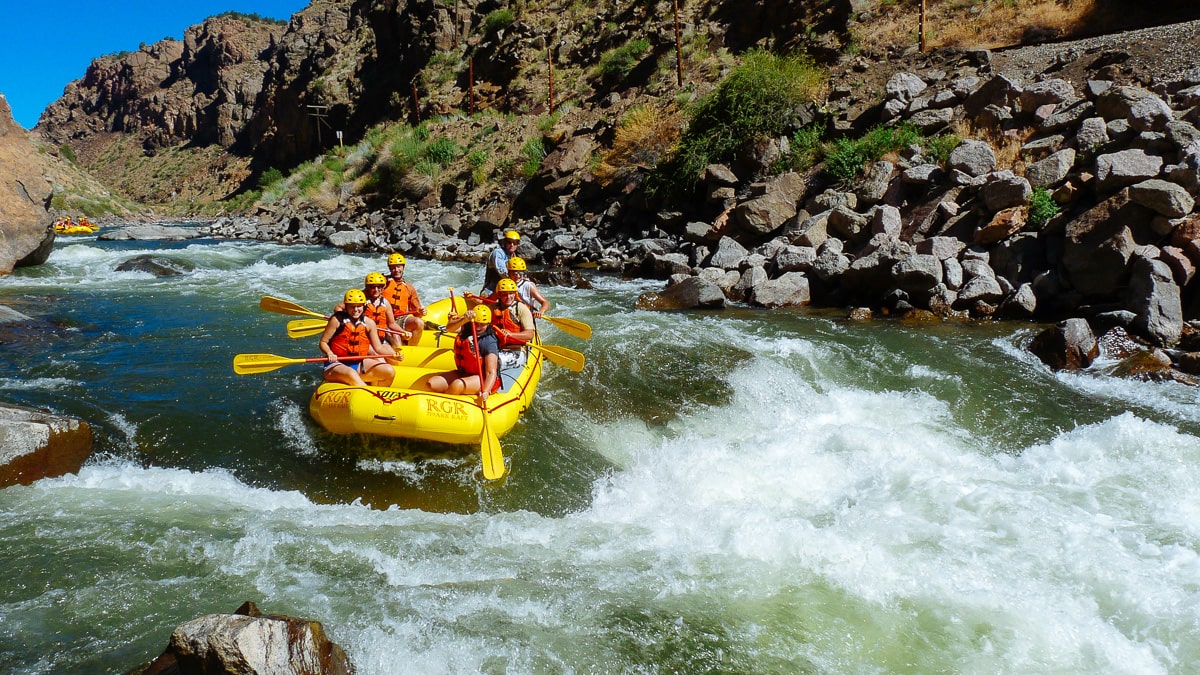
(690, 293)
(26, 229)
(1069, 345)
(249, 641)
(1101, 241)
(36, 444)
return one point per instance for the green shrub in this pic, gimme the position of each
(1042, 207)
(845, 157)
(311, 177)
(534, 152)
(67, 153)
(806, 149)
(498, 20)
(477, 157)
(269, 178)
(938, 148)
(618, 62)
(758, 99)
(442, 151)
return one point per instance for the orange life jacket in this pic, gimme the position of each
(506, 322)
(467, 358)
(351, 337)
(402, 295)
(377, 311)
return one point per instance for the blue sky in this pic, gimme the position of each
(46, 44)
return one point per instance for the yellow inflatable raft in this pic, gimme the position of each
(407, 410)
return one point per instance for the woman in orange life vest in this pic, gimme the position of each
(475, 350)
(350, 332)
(405, 304)
(512, 321)
(379, 310)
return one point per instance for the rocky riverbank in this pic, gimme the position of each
(1067, 194)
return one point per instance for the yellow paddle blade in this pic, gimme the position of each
(247, 364)
(299, 328)
(489, 450)
(280, 306)
(567, 358)
(571, 327)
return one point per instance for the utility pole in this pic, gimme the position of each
(320, 112)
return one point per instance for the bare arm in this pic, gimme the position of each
(543, 303)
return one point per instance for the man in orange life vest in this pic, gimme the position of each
(351, 333)
(512, 321)
(403, 296)
(475, 353)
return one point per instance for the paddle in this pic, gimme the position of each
(246, 364)
(299, 328)
(567, 358)
(491, 455)
(280, 306)
(571, 327)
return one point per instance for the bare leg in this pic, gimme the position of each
(415, 325)
(378, 372)
(343, 374)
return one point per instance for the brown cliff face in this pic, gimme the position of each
(26, 231)
(196, 93)
(345, 62)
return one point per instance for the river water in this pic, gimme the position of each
(734, 492)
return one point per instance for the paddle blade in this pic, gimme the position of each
(305, 327)
(567, 358)
(578, 329)
(280, 306)
(489, 450)
(248, 364)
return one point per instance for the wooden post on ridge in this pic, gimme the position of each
(471, 85)
(922, 26)
(679, 48)
(550, 75)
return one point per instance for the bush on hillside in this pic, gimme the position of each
(759, 99)
(617, 63)
(1042, 207)
(497, 20)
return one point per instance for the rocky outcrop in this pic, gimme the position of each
(201, 90)
(26, 229)
(249, 641)
(36, 444)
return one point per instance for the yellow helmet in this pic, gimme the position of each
(355, 297)
(516, 264)
(376, 279)
(506, 285)
(483, 314)
(513, 234)
(396, 259)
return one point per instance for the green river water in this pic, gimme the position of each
(744, 491)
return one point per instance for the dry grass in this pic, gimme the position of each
(974, 24)
(1006, 144)
(646, 134)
